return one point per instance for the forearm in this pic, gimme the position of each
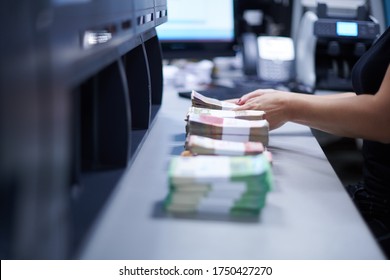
(338, 95)
(351, 116)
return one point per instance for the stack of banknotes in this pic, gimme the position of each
(200, 101)
(227, 128)
(200, 145)
(216, 119)
(228, 168)
(224, 185)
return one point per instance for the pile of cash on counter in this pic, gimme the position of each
(225, 168)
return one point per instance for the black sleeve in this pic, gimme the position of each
(369, 70)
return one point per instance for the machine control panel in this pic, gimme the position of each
(331, 28)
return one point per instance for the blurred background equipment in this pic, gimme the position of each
(328, 45)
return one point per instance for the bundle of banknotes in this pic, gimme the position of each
(200, 145)
(216, 119)
(223, 185)
(227, 128)
(253, 115)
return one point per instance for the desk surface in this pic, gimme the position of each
(307, 216)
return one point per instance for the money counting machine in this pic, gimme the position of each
(328, 46)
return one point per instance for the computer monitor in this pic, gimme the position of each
(198, 29)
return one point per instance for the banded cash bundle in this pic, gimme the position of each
(201, 101)
(244, 114)
(223, 185)
(200, 145)
(228, 129)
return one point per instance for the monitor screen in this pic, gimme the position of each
(198, 29)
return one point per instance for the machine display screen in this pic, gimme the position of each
(347, 28)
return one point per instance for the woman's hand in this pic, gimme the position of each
(273, 102)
